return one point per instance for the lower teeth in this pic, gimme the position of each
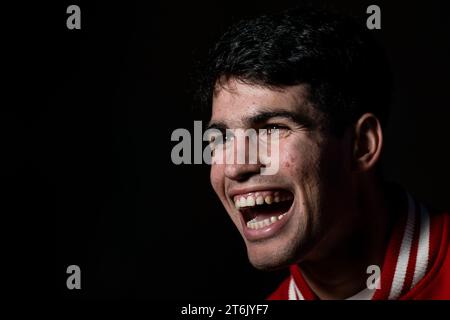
(253, 224)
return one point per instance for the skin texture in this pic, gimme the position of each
(339, 216)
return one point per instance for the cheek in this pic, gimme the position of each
(335, 167)
(301, 162)
(298, 159)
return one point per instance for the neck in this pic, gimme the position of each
(342, 271)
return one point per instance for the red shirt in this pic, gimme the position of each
(416, 264)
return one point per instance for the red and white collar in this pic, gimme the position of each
(406, 261)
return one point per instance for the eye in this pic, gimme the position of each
(272, 128)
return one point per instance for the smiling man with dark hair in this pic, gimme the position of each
(323, 85)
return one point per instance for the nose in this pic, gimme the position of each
(244, 162)
(241, 172)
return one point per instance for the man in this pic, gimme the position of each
(321, 84)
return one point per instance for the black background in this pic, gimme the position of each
(140, 226)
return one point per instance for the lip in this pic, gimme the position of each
(268, 231)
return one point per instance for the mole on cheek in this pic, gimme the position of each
(290, 161)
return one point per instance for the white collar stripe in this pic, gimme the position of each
(294, 292)
(423, 249)
(405, 250)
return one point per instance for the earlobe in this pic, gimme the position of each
(368, 142)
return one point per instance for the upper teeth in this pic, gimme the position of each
(258, 199)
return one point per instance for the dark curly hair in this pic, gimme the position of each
(346, 71)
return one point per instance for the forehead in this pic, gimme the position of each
(234, 101)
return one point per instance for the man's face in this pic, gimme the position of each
(293, 214)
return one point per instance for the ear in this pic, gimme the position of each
(368, 142)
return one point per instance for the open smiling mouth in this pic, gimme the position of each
(263, 212)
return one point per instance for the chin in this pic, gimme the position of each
(269, 257)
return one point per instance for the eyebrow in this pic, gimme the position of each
(264, 116)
